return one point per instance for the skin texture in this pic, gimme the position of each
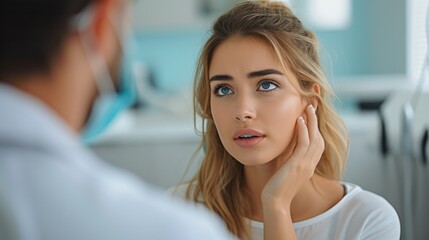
(271, 111)
(279, 166)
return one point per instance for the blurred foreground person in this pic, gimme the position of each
(60, 85)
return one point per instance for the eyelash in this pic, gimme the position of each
(220, 86)
(270, 82)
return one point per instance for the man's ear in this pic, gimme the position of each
(106, 37)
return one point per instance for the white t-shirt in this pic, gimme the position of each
(359, 215)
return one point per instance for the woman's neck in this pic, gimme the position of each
(315, 197)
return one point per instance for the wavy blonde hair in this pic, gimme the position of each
(219, 181)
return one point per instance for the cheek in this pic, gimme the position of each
(220, 117)
(284, 115)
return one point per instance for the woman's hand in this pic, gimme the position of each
(278, 193)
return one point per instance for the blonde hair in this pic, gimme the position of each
(219, 181)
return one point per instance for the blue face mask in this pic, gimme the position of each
(110, 101)
(108, 105)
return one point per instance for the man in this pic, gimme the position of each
(59, 62)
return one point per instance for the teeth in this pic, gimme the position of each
(246, 136)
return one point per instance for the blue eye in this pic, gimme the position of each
(223, 90)
(267, 86)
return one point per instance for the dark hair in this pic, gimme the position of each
(32, 32)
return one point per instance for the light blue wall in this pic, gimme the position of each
(345, 52)
(373, 44)
(172, 56)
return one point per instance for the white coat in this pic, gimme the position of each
(52, 187)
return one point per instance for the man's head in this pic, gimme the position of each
(33, 33)
(66, 53)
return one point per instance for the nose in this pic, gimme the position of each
(242, 117)
(245, 110)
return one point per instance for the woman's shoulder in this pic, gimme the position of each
(366, 201)
(360, 214)
(375, 212)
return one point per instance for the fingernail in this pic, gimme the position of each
(301, 119)
(311, 108)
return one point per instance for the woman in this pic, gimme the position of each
(274, 147)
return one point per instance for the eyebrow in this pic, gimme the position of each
(262, 73)
(220, 78)
(254, 74)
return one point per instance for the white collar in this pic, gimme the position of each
(27, 123)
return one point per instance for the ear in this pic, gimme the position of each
(313, 100)
(106, 37)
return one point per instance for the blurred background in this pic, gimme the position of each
(373, 54)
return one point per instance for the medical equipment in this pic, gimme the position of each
(424, 146)
(409, 156)
(408, 147)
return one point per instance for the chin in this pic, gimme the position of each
(251, 160)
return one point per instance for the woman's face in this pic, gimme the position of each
(253, 103)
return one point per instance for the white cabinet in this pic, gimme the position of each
(156, 147)
(159, 163)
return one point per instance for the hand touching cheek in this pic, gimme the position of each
(299, 167)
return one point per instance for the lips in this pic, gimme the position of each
(248, 137)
